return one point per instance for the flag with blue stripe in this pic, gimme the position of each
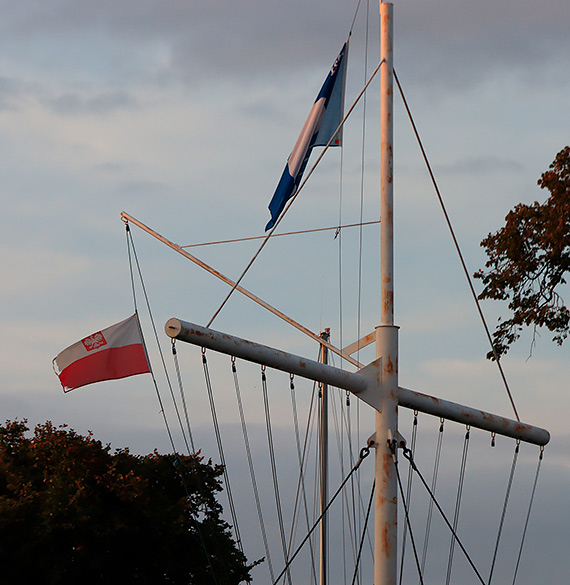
(322, 122)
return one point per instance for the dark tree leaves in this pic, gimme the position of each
(528, 260)
(73, 512)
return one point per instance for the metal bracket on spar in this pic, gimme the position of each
(364, 384)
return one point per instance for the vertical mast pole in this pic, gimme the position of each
(386, 504)
(324, 466)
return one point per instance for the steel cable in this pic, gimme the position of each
(405, 503)
(409, 456)
(220, 447)
(301, 453)
(252, 470)
(364, 452)
(132, 245)
(433, 488)
(457, 248)
(457, 504)
(509, 485)
(274, 472)
(528, 513)
(367, 517)
(182, 395)
(408, 495)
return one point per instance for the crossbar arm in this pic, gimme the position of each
(363, 384)
(473, 417)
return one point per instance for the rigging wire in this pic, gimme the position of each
(294, 196)
(220, 447)
(509, 485)
(338, 228)
(364, 532)
(252, 469)
(362, 157)
(360, 231)
(433, 487)
(457, 248)
(131, 271)
(131, 246)
(348, 516)
(409, 494)
(355, 15)
(345, 423)
(364, 452)
(405, 503)
(409, 456)
(355, 500)
(274, 472)
(182, 394)
(458, 503)
(528, 513)
(301, 490)
(132, 252)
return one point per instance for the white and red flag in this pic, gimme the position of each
(109, 354)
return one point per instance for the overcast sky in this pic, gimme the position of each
(183, 114)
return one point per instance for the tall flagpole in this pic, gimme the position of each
(324, 468)
(385, 498)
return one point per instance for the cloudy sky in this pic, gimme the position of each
(183, 114)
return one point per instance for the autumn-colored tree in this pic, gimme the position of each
(528, 260)
(73, 512)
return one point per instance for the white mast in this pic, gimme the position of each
(324, 468)
(385, 497)
(377, 383)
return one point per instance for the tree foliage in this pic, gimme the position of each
(528, 260)
(73, 512)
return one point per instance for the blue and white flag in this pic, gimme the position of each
(324, 118)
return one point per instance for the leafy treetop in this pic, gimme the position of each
(528, 260)
(73, 512)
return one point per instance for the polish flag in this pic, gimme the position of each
(109, 354)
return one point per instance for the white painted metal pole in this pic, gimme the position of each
(324, 468)
(386, 503)
(129, 218)
(478, 419)
(357, 383)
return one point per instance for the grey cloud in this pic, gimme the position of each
(110, 167)
(482, 164)
(144, 187)
(11, 92)
(442, 42)
(102, 103)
